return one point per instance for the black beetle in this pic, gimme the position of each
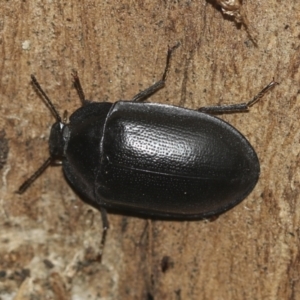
(153, 159)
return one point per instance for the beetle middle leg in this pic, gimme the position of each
(240, 107)
(143, 95)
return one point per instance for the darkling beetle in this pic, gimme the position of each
(150, 159)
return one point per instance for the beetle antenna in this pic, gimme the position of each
(33, 177)
(46, 99)
(78, 87)
(262, 93)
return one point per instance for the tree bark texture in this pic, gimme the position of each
(50, 239)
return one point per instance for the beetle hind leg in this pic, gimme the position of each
(143, 95)
(105, 226)
(240, 107)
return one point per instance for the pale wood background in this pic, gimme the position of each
(49, 238)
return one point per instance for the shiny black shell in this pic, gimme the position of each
(157, 160)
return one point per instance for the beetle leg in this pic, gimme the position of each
(105, 226)
(35, 175)
(240, 107)
(143, 95)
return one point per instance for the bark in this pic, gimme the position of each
(50, 239)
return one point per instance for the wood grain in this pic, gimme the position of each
(49, 239)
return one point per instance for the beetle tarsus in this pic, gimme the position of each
(105, 226)
(143, 95)
(170, 52)
(240, 107)
(262, 93)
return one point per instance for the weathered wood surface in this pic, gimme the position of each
(49, 239)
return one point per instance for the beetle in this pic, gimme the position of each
(152, 159)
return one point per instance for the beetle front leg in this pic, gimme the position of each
(143, 95)
(240, 107)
